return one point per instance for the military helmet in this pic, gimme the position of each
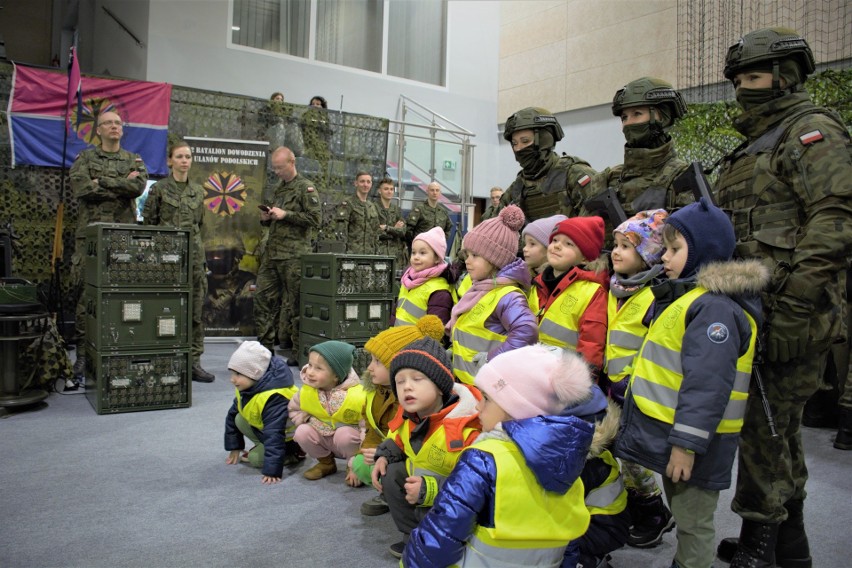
(767, 45)
(649, 91)
(533, 118)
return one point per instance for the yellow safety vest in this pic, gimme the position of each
(658, 375)
(625, 332)
(610, 498)
(560, 324)
(253, 409)
(532, 299)
(470, 336)
(532, 526)
(349, 412)
(411, 305)
(464, 285)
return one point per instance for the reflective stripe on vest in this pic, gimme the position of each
(253, 410)
(610, 498)
(532, 526)
(349, 412)
(560, 324)
(411, 305)
(470, 336)
(658, 373)
(625, 332)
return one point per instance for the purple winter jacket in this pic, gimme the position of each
(513, 317)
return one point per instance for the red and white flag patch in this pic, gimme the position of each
(810, 137)
(583, 181)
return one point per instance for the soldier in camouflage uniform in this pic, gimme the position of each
(177, 202)
(547, 183)
(293, 219)
(494, 206)
(105, 180)
(424, 216)
(358, 219)
(392, 224)
(788, 189)
(647, 107)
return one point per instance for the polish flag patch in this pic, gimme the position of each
(583, 181)
(810, 137)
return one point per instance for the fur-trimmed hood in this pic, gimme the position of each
(605, 430)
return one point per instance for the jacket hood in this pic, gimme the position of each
(516, 270)
(554, 448)
(277, 376)
(741, 280)
(606, 430)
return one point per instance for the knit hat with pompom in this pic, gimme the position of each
(389, 342)
(496, 240)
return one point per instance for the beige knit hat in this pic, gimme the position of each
(250, 359)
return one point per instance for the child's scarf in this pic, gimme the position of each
(624, 287)
(413, 278)
(475, 293)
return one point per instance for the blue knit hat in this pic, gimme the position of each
(339, 356)
(708, 233)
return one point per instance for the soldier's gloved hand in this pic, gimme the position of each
(788, 331)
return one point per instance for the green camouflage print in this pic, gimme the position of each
(491, 212)
(645, 179)
(788, 193)
(169, 205)
(423, 217)
(277, 300)
(557, 190)
(358, 222)
(392, 239)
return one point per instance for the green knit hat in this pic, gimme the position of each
(339, 356)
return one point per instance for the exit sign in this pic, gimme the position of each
(449, 164)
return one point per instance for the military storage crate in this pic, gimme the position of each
(135, 255)
(360, 361)
(138, 380)
(123, 318)
(335, 274)
(344, 317)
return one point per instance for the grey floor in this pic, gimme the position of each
(152, 489)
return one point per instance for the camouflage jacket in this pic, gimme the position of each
(557, 190)
(358, 223)
(423, 217)
(392, 239)
(169, 206)
(491, 212)
(644, 181)
(788, 190)
(100, 184)
(293, 235)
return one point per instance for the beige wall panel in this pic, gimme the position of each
(549, 94)
(514, 10)
(589, 16)
(536, 30)
(532, 66)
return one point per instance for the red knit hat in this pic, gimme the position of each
(586, 232)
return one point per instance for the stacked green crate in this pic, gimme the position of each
(344, 297)
(137, 300)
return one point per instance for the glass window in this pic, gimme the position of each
(273, 25)
(350, 33)
(417, 40)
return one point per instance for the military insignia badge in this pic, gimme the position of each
(810, 137)
(717, 332)
(584, 181)
(224, 194)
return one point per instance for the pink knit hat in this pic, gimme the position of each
(535, 380)
(586, 232)
(436, 239)
(496, 240)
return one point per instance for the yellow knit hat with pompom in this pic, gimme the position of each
(389, 342)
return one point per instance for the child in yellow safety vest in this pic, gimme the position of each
(494, 315)
(636, 262)
(536, 237)
(327, 409)
(264, 387)
(424, 287)
(381, 405)
(436, 420)
(689, 383)
(515, 498)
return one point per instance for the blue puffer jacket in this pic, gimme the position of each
(554, 448)
(274, 416)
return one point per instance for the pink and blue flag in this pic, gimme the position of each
(42, 104)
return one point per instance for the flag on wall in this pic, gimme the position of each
(40, 100)
(75, 90)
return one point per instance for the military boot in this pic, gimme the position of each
(843, 441)
(791, 550)
(756, 545)
(325, 466)
(202, 376)
(651, 520)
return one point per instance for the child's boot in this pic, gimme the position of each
(325, 466)
(651, 520)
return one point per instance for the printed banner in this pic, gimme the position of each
(39, 102)
(233, 174)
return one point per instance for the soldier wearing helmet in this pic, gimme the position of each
(647, 107)
(788, 189)
(547, 182)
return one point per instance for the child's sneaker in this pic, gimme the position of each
(396, 549)
(375, 506)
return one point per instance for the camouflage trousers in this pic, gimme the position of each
(277, 299)
(640, 479)
(199, 292)
(772, 471)
(78, 286)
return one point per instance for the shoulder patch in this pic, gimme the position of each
(718, 332)
(584, 180)
(310, 189)
(810, 137)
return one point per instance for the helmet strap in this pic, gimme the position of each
(776, 78)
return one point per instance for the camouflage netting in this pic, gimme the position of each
(705, 31)
(329, 146)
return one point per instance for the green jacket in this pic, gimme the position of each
(169, 206)
(358, 223)
(557, 190)
(423, 217)
(293, 236)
